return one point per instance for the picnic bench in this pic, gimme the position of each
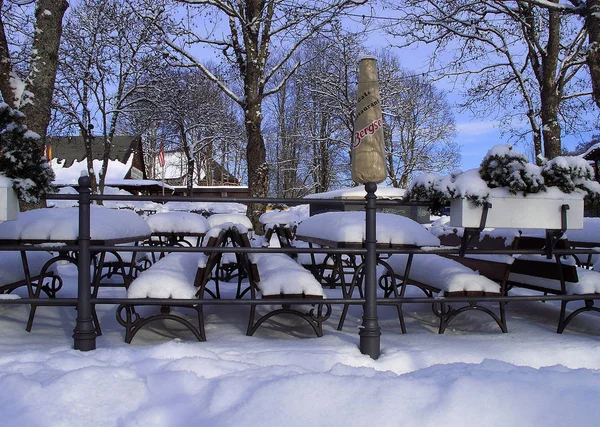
(437, 275)
(556, 275)
(189, 276)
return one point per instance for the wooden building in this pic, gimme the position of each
(71, 148)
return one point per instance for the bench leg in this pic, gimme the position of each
(314, 319)
(562, 324)
(133, 322)
(446, 313)
(561, 317)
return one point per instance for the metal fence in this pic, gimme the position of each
(369, 333)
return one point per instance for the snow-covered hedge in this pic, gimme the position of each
(21, 157)
(504, 168)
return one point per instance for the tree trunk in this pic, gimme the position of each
(89, 157)
(40, 82)
(550, 94)
(258, 169)
(325, 167)
(6, 68)
(592, 23)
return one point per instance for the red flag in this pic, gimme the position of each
(161, 155)
(48, 152)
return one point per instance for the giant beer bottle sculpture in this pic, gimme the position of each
(368, 161)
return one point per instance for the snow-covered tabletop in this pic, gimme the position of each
(62, 225)
(348, 228)
(178, 223)
(278, 216)
(217, 220)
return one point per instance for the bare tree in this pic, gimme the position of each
(589, 10)
(191, 116)
(592, 23)
(315, 114)
(30, 89)
(527, 55)
(107, 53)
(329, 106)
(419, 124)
(255, 29)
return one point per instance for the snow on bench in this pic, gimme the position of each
(170, 277)
(177, 222)
(448, 276)
(280, 275)
(435, 274)
(577, 280)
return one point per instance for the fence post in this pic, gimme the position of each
(84, 334)
(370, 332)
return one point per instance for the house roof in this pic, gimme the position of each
(592, 153)
(176, 167)
(71, 148)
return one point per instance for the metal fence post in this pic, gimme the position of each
(84, 334)
(370, 332)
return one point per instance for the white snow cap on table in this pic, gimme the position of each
(215, 207)
(280, 274)
(171, 277)
(220, 219)
(443, 273)
(177, 222)
(278, 216)
(63, 224)
(350, 227)
(383, 192)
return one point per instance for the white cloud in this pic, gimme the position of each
(477, 128)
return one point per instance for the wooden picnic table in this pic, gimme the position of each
(57, 228)
(346, 230)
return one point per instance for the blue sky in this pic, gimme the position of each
(475, 135)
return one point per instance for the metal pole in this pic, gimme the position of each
(370, 332)
(84, 333)
(163, 181)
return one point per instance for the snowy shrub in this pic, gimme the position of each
(431, 187)
(504, 168)
(568, 173)
(21, 157)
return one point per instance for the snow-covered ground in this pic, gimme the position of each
(471, 375)
(283, 375)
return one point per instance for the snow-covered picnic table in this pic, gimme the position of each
(54, 228)
(177, 228)
(62, 226)
(347, 230)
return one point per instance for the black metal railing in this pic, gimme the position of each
(369, 334)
